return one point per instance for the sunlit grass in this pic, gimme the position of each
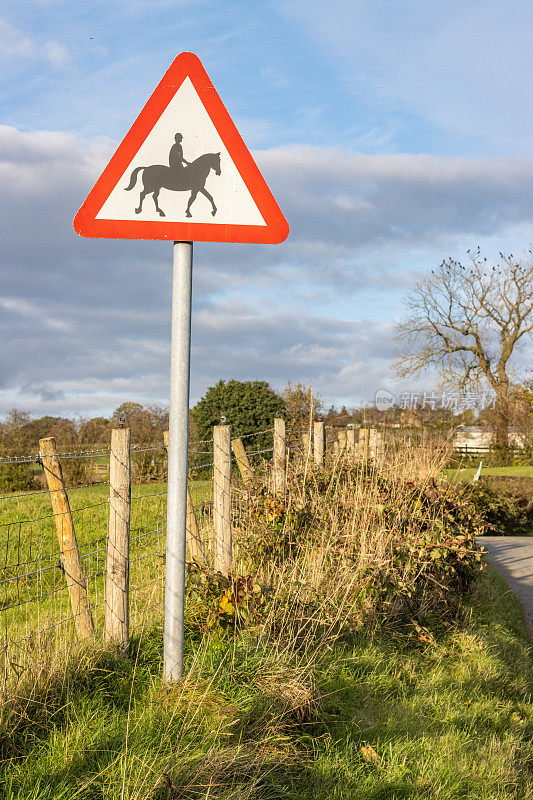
(467, 473)
(375, 717)
(298, 704)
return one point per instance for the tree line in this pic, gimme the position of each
(250, 408)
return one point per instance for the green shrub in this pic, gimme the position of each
(376, 545)
(16, 477)
(504, 512)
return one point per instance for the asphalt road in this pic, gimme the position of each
(512, 557)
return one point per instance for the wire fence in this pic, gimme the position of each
(36, 607)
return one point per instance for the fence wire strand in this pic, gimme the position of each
(35, 604)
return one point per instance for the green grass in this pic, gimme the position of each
(467, 473)
(25, 506)
(33, 590)
(379, 718)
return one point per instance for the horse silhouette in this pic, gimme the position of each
(191, 178)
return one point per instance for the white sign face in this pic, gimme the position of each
(183, 173)
(183, 141)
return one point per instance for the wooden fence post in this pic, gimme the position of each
(364, 439)
(117, 584)
(222, 497)
(342, 440)
(318, 441)
(280, 457)
(194, 542)
(70, 554)
(243, 463)
(375, 444)
(350, 443)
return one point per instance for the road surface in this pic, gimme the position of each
(512, 557)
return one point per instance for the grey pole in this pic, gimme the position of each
(180, 351)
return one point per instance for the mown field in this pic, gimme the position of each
(467, 473)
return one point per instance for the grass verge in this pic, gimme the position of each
(402, 714)
(467, 473)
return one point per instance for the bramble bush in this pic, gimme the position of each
(504, 511)
(353, 545)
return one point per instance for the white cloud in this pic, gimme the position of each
(57, 54)
(86, 322)
(13, 43)
(16, 46)
(275, 76)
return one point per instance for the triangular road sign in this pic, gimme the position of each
(183, 173)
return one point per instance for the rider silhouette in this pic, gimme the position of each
(175, 157)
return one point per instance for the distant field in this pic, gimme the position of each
(499, 472)
(34, 589)
(26, 506)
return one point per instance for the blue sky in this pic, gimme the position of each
(392, 134)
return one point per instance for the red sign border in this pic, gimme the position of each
(186, 65)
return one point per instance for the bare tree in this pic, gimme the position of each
(468, 323)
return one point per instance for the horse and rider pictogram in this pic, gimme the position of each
(179, 176)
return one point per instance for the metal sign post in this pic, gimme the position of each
(178, 445)
(185, 124)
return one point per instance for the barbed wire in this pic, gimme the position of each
(259, 452)
(201, 466)
(68, 456)
(52, 491)
(147, 475)
(20, 460)
(27, 494)
(141, 496)
(138, 449)
(106, 451)
(103, 452)
(257, 433)
(30, 458)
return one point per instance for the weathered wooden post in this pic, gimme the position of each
(243, 462)
(222, 497)
(70, 554)
(364, 439)
(280, 457)
(194, 542)
(319, 442)
(375, 444)
(350, 443)
(341, 439)
(117, 585)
